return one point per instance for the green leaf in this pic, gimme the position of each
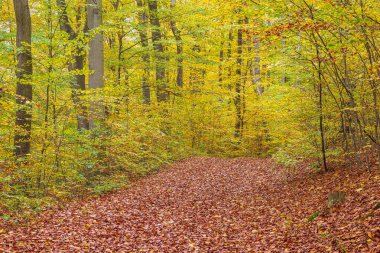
(313, 216)
(5, 217)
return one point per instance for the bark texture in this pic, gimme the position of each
(95, 58)
(24, 89)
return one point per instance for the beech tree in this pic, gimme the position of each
(238, 86)
(75, 64)
(144, 39)
(95, 58)
(24, 90)
(160, 59)
(179, 42)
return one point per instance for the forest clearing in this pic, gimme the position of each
(189, 126)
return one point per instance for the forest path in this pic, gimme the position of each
(209, 205)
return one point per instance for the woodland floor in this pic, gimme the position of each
(215, 205)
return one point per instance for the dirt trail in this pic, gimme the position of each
(214, 205)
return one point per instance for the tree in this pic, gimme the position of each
(95, 57)
(144, 39)
(184, 78)
(76, 65)
(24, 90)
(162, 92)
(177, 36)
(238, 86)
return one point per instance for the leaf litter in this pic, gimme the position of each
(215, 205)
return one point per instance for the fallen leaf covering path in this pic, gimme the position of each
(214, 205)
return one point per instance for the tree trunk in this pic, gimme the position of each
(95, 58)
(238, 85)
(254, 66)
(76, 66)
(177, 36)
(229, 57)
(320, 106)
(24, 73)
(221, 62)
(143, 22)
(162, 92)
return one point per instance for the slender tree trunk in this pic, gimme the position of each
(80, 86)
(257, 69)
(120, 37)
(76, 66)
(320, 107)
(24, 73)
(374, 86)
(120, 44)
(143, 22)
(320, 93)
(162, 92)
(238, 85)
(284, 78)
(229, 56)
(95, 58)
(254, 66)
(221, 62)
(177, 36)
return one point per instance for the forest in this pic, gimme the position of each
(156, 101)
